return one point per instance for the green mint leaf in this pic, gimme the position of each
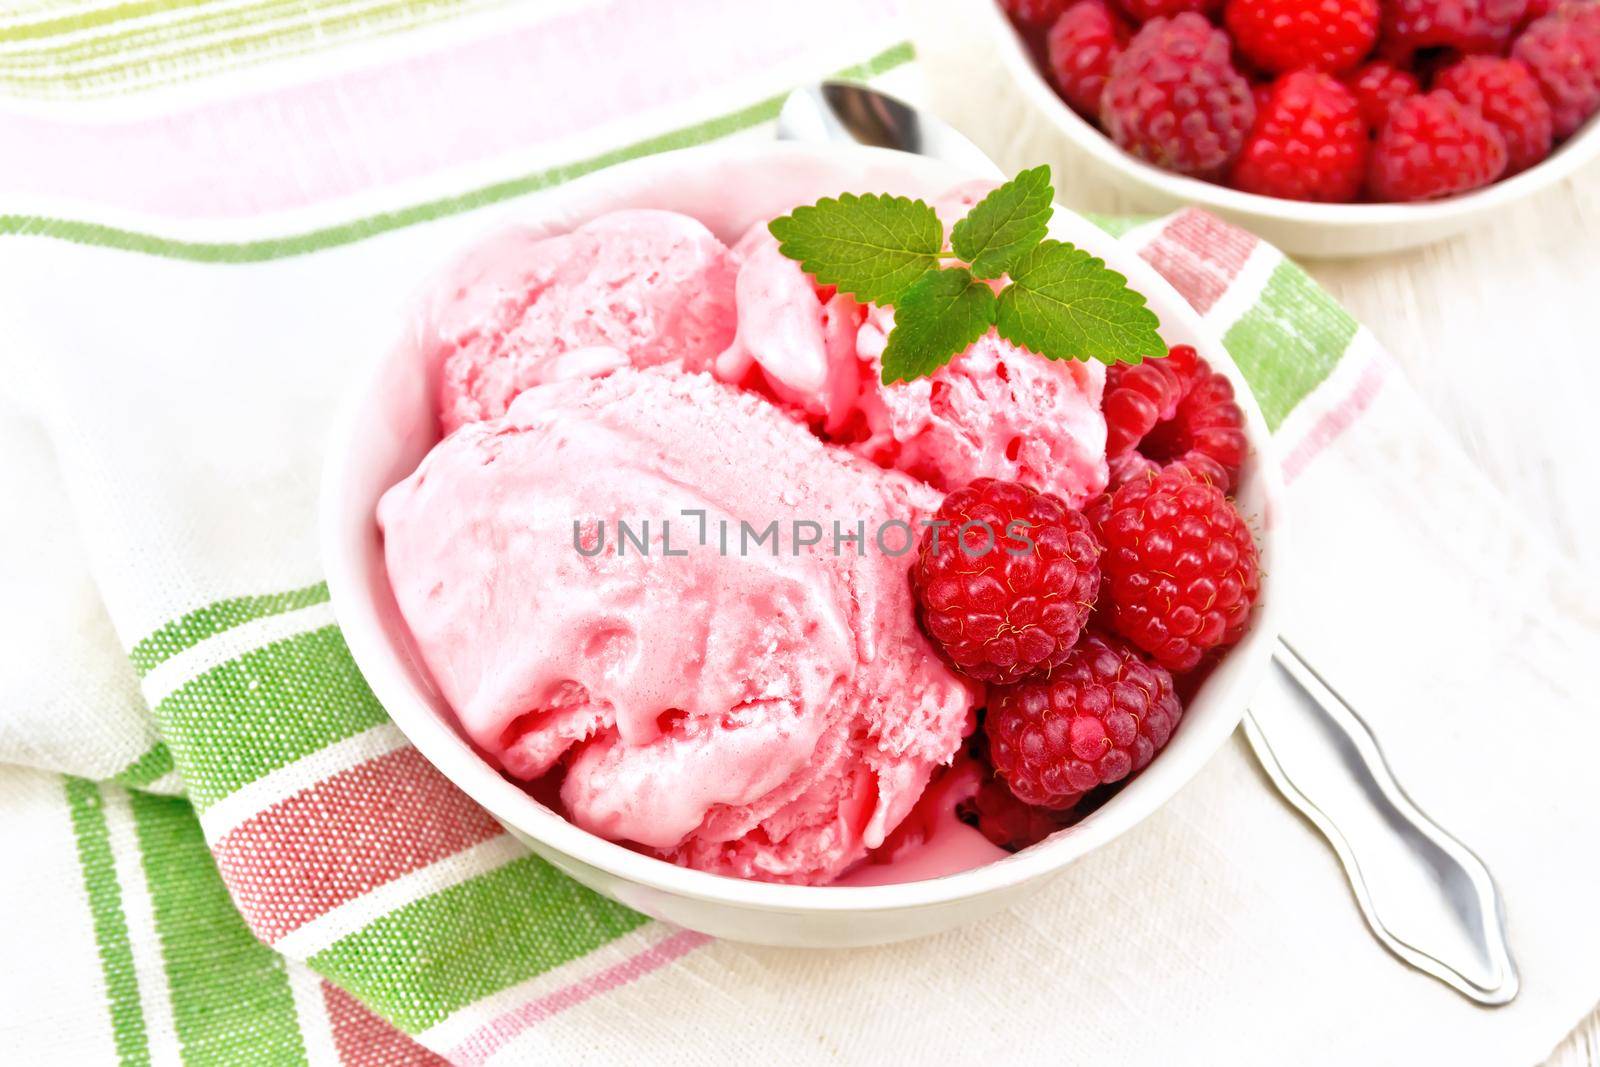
(872, 247)
(1063, 303)
(1005, 224)
(942, 313)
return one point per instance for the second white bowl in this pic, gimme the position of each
(1297, 227)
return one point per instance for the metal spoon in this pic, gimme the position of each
(1425, 895)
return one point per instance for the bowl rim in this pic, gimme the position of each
(440, 744)
(1579, 149)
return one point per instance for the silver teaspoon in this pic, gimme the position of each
(1426, 897)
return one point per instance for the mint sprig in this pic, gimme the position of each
(1060, 302)
(1064, 303)
(873, 247)
(1005, 224)
(942, 313)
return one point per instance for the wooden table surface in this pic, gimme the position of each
(1498, 329)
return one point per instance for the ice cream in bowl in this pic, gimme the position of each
(806, 545)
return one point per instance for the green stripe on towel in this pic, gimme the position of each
(95, 234)
(88, 20)
(195, 627)
(86, 808)
(264, 710)
(419, 964)
(159, 38)
(231, 1004)
(147, 768)
(274, 42)
(1289, 342)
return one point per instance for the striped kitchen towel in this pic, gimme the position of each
(223, 852)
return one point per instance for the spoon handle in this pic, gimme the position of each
(1425, 895)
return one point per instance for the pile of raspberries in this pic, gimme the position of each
(1086, 627)
(1326, 100)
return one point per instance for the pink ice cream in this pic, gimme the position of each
(654, 286)
(646, 288)
(795, 342)
(771, 716)
(766, 715)
(994, 411)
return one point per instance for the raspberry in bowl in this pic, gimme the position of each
(1363, 126)
(630, 428)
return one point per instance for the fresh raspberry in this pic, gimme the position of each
(1464, 25)
(1504, 92)
(1007, 821)
(1035, 16)
(1175, 99)
(1309, 142)
(1175, 410)
(1099, 717)
(1434, 145)
(1283, 35)
(1007, 583)
(1181, 569)
(1080, 48)
(1378, 87)
(1562, 49)
(1145, 10)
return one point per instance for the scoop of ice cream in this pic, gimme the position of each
(653, 285)
(795, 340)
(994, 411)
(769, 709)
(953, 204)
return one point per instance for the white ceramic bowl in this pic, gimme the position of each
(388, 424)
(1297, 227)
